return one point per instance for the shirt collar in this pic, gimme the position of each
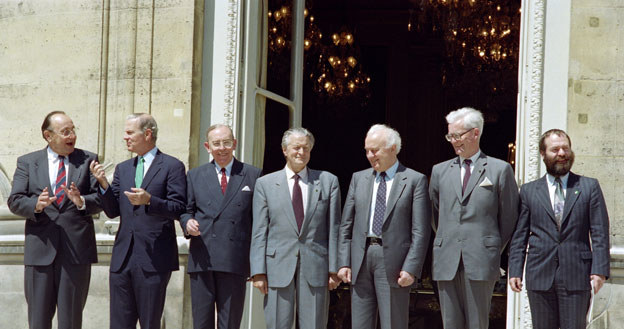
(52, 155)
(150, 155)
(564, 179)
(303, 174)
(473, 158)
(228, 167)
(390, 172)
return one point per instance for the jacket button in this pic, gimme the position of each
(214, 235)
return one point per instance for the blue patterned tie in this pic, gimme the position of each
(380, 205)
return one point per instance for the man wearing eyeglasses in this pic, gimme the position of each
(218, 221)
(56, 194)
(475, 209)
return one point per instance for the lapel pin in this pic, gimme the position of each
(576, 192)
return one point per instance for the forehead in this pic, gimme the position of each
(60, 121)
(219, 133)
(297, 140)
(375, 140)
(456, 126)
(132, 124)
(555, 140)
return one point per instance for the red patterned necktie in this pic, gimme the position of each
(223, 180)
(60, 180)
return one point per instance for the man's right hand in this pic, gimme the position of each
(192, 227)
(344, 273)
(97, 170)
(260, 282)
(515, 284)
(44, 200)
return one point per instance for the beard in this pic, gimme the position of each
(557, 169)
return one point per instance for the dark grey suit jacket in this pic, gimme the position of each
(406, 228)
(584, 218)
(57, 228)
(224, 220)
(276, 242)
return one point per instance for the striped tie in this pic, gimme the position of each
(60, 180)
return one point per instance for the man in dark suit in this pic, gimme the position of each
(149, 193)
(564, 222)
(218, 222)
(296, 213)
(59, 245)
(475, 209)
(384, 234)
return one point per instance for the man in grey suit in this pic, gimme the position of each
(564, 222)
(296, 217)
(218, 222)
(54, 190)
(384, 234)
(475, 209)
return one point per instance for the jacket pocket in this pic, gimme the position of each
(438, 242)
(491, 241)
(270, 252)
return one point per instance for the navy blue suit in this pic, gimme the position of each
(218, 262)
(145, 250)
(560, 261)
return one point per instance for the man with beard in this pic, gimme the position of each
(563, 220)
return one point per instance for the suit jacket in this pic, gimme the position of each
(276, 243)
(224, 220)
(405, 231)
(570, 250)
(475, 226)
(149, 227)
(63, 228)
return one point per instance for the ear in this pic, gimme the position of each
(47, 135)
(477, 133)
(284, 151)
(233, 144)
(207, 146)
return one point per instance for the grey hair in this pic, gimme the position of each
(299, 131)
(392, 136)
(146, 122)
(471, 118)
(219, 125)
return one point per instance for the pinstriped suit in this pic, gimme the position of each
(562, 259)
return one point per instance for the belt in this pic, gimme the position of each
(373, 241)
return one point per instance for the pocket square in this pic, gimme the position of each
(246, 188)
(485, 183)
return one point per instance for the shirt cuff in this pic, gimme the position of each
(84, 204)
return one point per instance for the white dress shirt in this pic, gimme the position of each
(389, 180)
(303, 183)
(228, 170)
(472, 165)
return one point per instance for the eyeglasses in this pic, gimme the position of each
(225, 143)
(456, 136)
(65, 132)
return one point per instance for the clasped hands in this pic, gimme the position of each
(137, 197)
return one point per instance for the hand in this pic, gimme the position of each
(344, 274)
(597, 280)
(73, 194)
(260, 282)
(138, 196)
(44, 200)
(334, 281)
(192, 227)
(406, 279)
(515, 284)
(97, 170)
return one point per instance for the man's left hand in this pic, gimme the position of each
(138, 196)
(597, 281)
(73, 194)
(334, 281)
(405, 279)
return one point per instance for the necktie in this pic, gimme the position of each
(60, 180)
(559, 201)
(467, 163)
(138, 176)
(223, 180)
(380, 205)
(297, 202)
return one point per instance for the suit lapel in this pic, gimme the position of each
(237, 175)
(152, 171)
(543, 195)
(283, 193)
(314, 190)
(572, 193)
(455, 177)
(368, 181)
(210, 180)
(398, 185)
(43, 172)
(477, 172)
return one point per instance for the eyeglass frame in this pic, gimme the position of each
(456, 136)
(226, 143)
(65, 133)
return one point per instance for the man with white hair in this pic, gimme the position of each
(475, 209)
(384, 234)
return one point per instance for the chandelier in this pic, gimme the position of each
(332, 66)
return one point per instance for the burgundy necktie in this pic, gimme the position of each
(467, 163)
(297, 202)
(223, 180)
(60, 181)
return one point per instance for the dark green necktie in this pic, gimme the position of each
(138, 176)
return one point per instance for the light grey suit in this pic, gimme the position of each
(471, 232)
(297, 264)
(405, 237)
